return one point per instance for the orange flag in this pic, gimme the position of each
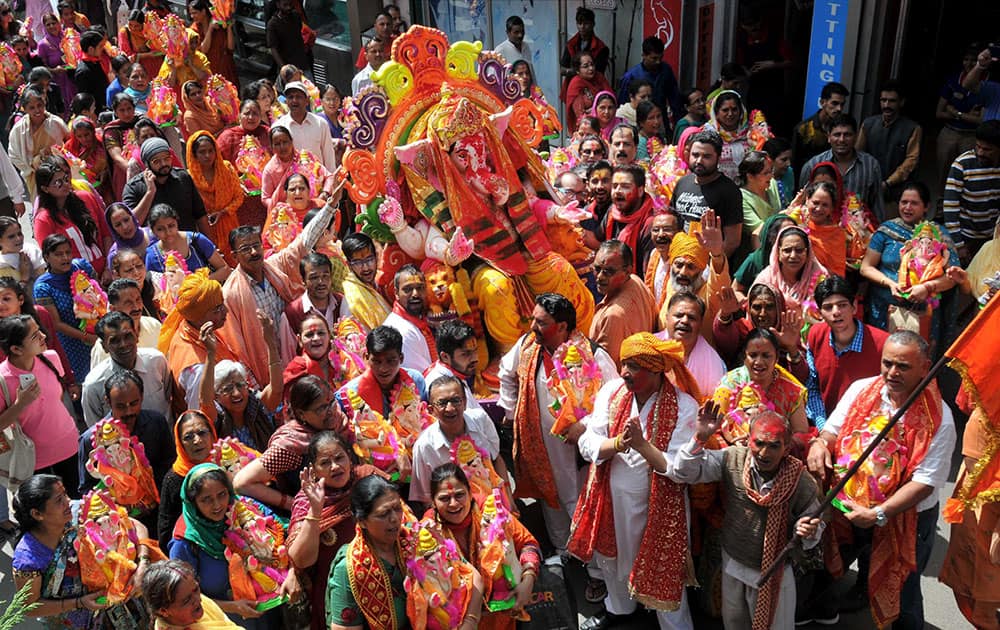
(972, 356)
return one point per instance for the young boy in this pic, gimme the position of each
(90, 76)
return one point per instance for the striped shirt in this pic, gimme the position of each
(971, 199)
(863, 178)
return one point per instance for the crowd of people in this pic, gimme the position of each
(248, 412)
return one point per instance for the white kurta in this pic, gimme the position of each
(562, 455)
(630, 480)
(416, 355)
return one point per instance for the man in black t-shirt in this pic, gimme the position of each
(706, 187)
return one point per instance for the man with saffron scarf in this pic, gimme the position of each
(664, 227)
(688, 257)
(685, 316)
(200, 312)
(627, 305)
(409, 317)
(362, 298)
(632, 516)
(630, 216)
(265, 284)
(893, 500)
(765, 488)
(545, 464)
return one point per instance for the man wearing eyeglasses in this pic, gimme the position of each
(433, 446)
(266, 285)
(362, 298)
(116, 330)
(627, 307)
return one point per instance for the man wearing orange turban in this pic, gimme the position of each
(199, 313)
(689, 256)
(633, 523)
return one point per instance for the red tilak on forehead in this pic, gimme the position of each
(769, 427)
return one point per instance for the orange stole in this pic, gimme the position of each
(829, 243)
(649, 278)
(532, 467)
(662, 568)
(893, 555)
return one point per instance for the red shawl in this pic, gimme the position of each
(635, 224)
(370, 583)
(662, 567)
(421, 325)
(893, 555)
(370, 391)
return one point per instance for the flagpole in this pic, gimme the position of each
(834, 491)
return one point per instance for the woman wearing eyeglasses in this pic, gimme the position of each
(227, 398)
(313, 409)
(194, 436)
(75, 215)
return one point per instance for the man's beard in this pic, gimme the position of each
(694, 287)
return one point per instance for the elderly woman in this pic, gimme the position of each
(32, 137)
(46, 559)
(175, 600)
(583, 88)
(194, 436)
(765, 308)
(227, 398)
(284, 163)
(251, 124)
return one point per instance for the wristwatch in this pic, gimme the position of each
(880, 518)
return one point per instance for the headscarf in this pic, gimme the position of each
(205, 533)
(656, 355)
(197, 296)
(685, 245)
(199, 117)
(837, 178)
(137, 239)
(799, 291)
(760, 257)
(682, 142)
(608, 128)
(776, 295)
(152, 147)
(741, 129)
(183, 464)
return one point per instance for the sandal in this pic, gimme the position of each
(595, 591)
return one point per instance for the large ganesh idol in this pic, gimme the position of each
(440, 161)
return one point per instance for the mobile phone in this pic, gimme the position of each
(26, 380)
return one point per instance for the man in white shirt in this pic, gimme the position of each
(117, 334)
(906, 519)
(685, 317)
(446, 398)
(409, 317)
(514, 48)
(309, 131)
(124, 295)
(377, 53)
(458, 356)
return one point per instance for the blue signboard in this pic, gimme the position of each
(826, 50)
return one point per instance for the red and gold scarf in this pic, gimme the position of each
(775, 532)
(370, 584)
(532, 468)
(663, 567)
(893, 555)
(634, 224)
(421, 325)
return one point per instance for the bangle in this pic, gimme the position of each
(726, 319)
(714, 255)
(474, 618)
(618, 443)
(310, 517)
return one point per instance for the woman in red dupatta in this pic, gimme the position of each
(824, 223)
(231, 138)
(85, 143)
(119, 140)
(322, 521)
(583, 88)
(461, 520)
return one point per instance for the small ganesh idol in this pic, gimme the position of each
(438, 582)
(572, 383)
(107, 546)
(90, 302)
(168, 285)
(922, 259)
(498, 558)
(119, 462)
(231, 455)
(740, 406)
(256, 553)
(476, 464)
(880, 473)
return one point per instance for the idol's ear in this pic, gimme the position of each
(501, 120)
(410, 154)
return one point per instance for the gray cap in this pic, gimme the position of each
(151, 147)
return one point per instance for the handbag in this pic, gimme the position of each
(551, 607)
(17, 450)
